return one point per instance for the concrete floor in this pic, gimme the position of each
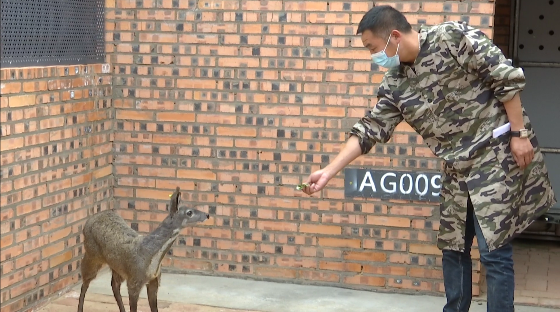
(537, 272)
(195, 293)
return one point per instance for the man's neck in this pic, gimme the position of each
(411, 44)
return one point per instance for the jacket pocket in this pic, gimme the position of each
(502, 149)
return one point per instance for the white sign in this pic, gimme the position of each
(392, 184)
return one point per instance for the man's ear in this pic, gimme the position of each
(174, 202)
(396, 35)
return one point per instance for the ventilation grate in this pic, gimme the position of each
(538, 37)
(52, 32)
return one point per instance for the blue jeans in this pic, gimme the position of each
(457, 272)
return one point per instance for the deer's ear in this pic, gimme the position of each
(174, 202)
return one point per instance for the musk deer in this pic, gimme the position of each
(133, 258)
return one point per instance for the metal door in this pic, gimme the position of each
(536, 48)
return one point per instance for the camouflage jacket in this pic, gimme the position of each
(452, 96)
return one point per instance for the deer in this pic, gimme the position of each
(134, 258)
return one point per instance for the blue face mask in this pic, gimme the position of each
(380, 58)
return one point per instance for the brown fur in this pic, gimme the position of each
(133, 258)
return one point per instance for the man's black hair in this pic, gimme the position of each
(383, 19)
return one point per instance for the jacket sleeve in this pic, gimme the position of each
(379, 123)
(478, 54)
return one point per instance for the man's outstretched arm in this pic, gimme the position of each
(319, 179)
(377, 125)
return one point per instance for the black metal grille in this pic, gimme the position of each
(52, 32)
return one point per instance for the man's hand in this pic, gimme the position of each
(521, 148)
(317, 181)
(522, 151)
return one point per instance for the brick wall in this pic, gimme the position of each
(238, 101)
(502, 22)
(56, 126)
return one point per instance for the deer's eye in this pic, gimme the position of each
(189, 213)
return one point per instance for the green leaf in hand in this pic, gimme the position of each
(301, 186)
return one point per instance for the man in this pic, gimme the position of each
(454, 87)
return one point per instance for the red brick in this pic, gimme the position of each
(384, 270)
(281, 203)
(236, 131)
(103, 172)
(219, 119)
(13, 306)
(64, 233)
(171, 139)
(191, 264)
(324, 111)
(424, 249)
(320, 276)
(21, 100)
(196, 174)
(365, 280)
(339, 242)
(320, 229)
(365, 256)
(3, 101)
(7, 240)
(482, 8)
(134, 115)
(28, 259)
(241, 246)
(11, 143)
(388, 221)
(340, 266)
(34, 86)
(275, 272)
(279, 110)
(408, 284)
(196, 84)
(425, 273)
(11, 252)
(277, 226)
(412, 211)
(238, 62)
(305, 6)
(11, 87)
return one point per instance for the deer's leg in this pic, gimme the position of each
(152, 289)
(89, 268)
(133, 294)
(116, 281)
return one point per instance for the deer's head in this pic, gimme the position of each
(183, 216)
